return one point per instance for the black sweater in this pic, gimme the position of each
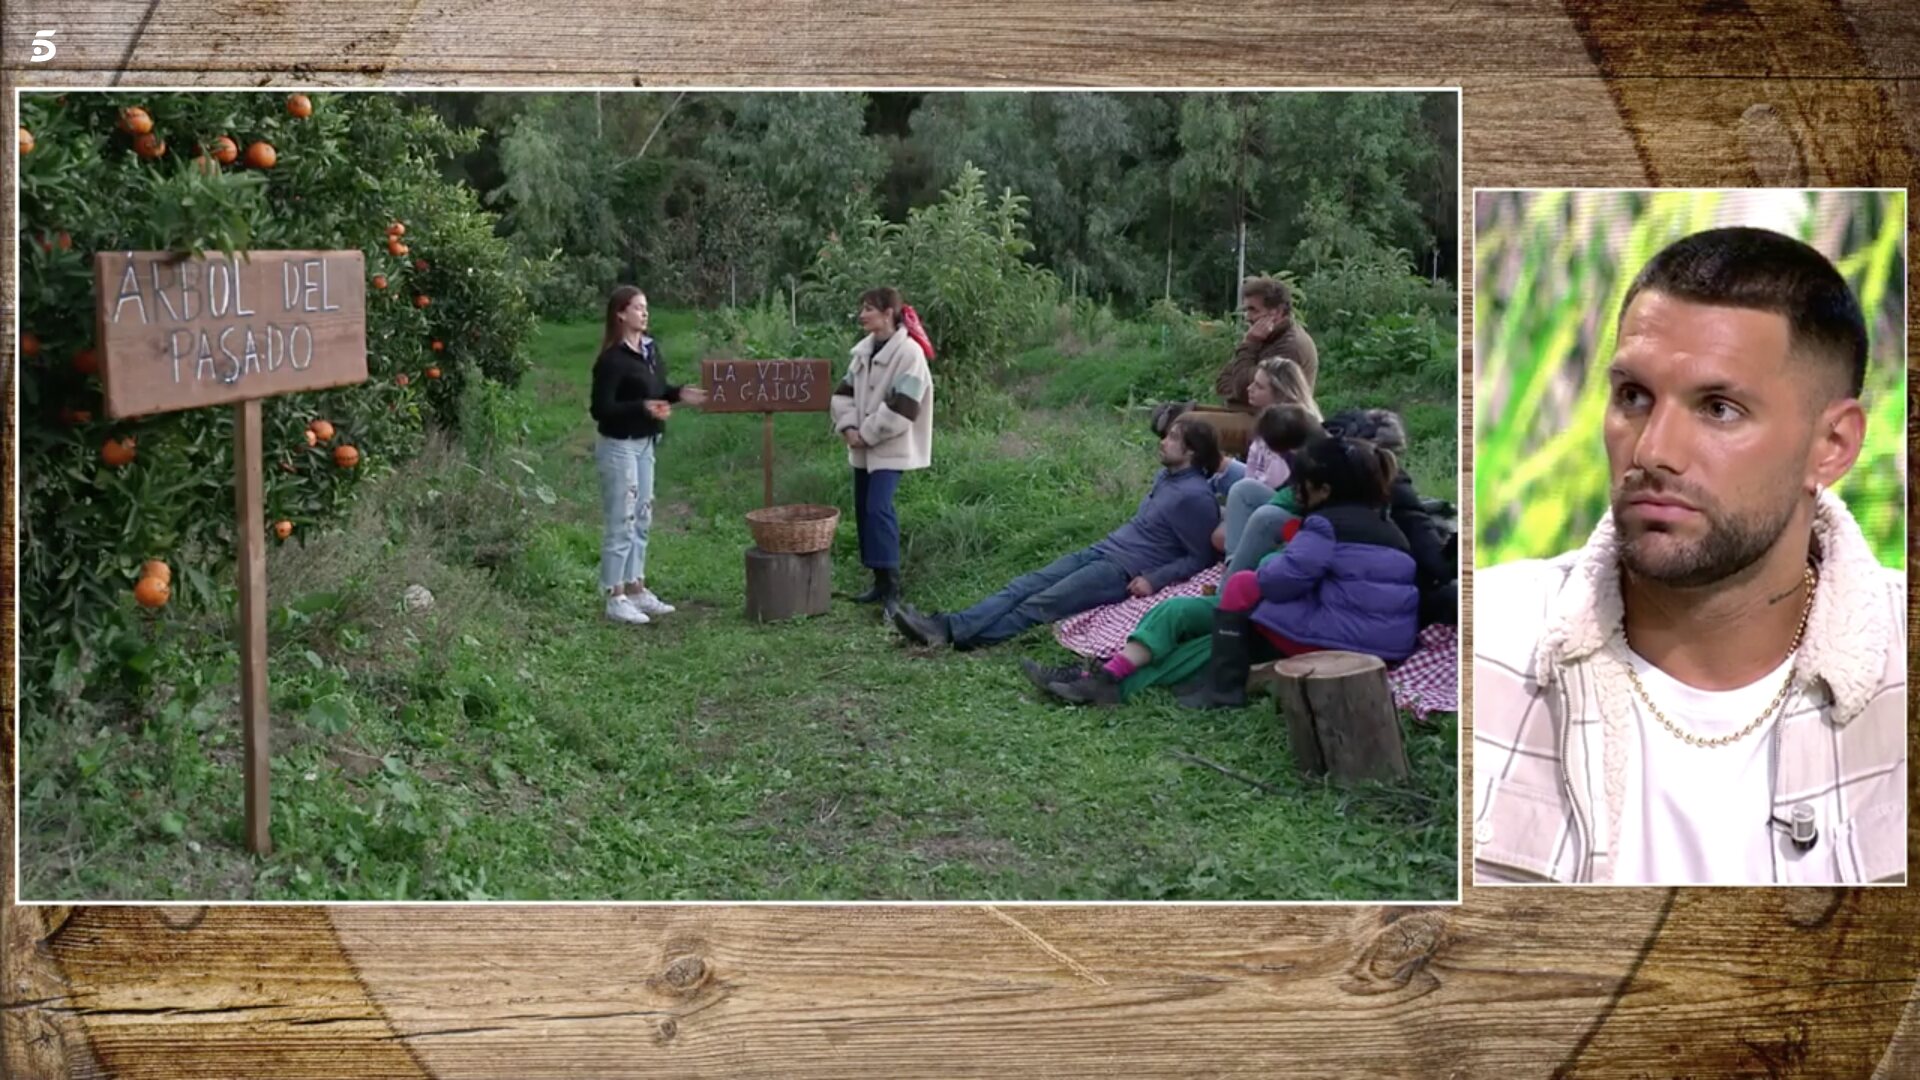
(623, 382)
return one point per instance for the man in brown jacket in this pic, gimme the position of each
(1271, 331)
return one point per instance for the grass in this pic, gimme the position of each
(509, 743)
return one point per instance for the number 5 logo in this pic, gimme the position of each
(43, 49)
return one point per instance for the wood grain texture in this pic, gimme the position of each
(1515, 982)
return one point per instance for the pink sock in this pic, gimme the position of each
(1119, 667)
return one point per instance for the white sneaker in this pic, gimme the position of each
(650, 604)
(622, 609)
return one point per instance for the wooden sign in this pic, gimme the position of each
(177, 332)
(767, 385)
(180, 333)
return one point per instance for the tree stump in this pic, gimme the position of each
(781, 585)
(1340, 714)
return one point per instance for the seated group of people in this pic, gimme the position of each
(1328, 545)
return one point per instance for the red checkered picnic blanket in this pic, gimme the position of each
(1426, 682)
(1103, 631)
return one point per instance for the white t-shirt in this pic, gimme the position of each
(1694, 814)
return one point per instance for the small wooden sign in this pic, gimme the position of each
(180, 333)
(177, 332)
(767, 385)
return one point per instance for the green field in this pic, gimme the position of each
(512, 744)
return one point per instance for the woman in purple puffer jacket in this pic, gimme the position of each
(1345, 579)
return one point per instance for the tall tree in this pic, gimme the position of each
(812, 159)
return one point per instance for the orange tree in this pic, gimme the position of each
(227, 171)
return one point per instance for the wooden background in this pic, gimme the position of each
(1528, 982)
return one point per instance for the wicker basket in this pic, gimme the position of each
(794, 530)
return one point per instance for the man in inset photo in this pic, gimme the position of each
(1712, 688)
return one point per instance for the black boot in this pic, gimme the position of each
(1225, 684)
(890, 600)
(877, 594)
(1096, 687)
(921, 629)
(1043, 676)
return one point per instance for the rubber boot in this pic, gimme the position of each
(878, 593)
(1225, 683)
(890, 592)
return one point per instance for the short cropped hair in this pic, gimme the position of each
(1271, 292)
(1763, 270)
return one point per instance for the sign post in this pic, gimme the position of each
(767, 387)
(177, 332)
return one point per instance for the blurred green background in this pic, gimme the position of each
(1550, 270)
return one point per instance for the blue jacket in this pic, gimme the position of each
(1345, 581)
(1171, 536)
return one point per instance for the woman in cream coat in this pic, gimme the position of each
(883, 410)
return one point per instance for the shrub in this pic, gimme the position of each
(341, 176)
(961, 263)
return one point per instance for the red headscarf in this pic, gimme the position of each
(911, 320)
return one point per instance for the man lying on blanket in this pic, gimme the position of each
(1169, 539)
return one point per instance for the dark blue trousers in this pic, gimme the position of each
(873, 516)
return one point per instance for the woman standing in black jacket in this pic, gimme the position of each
(631, 402)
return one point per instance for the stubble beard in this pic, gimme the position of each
(1733, 542)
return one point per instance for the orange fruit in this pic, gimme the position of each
(420, 265)
(225, 150)
(300, 105)
(76, 417)
(135, 121)
(154, 568)
(395, 248)
(29, 345)
(26, 142)
(433, 373)
(379, 281)
(86, 362)
(149, 145)
(422, 301)
(117, 452)
(204, 164)
(312, 439)
(322, 430)
(261, 156)
(152, 593)
(402, 379)
(283, 529)
(396, 229)
(346, 456)
(438, 345)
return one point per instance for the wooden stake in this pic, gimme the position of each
(249, 500)
(766, 458)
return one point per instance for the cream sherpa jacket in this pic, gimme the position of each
(1553, 728)
(887, 396)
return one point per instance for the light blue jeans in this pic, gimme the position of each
(1246, 496)
(1258, 539)
(1224, 480)
(626, 501)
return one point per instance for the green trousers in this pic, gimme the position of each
(1179, 632)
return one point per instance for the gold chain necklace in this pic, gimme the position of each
(1812, 582)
